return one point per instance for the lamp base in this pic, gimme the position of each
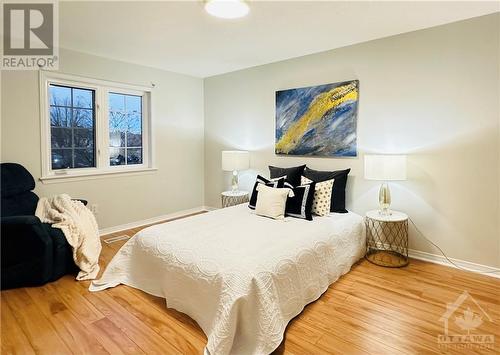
(234, 182)
(384, 200)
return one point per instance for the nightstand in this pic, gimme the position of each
(233, 198)
(387, 238)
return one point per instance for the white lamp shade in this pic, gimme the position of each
(385, 167)
(235, 160)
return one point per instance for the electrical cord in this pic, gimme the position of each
(446, 256)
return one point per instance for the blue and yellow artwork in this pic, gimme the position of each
(318, 120)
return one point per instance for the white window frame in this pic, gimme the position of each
(102, 89)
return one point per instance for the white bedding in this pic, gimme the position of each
(242, 277)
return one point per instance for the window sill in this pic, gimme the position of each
(53, 179)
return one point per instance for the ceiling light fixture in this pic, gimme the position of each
(227, 8)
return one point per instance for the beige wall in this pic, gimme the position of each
(178, 118)
(431, 94)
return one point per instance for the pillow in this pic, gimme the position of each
(299, 206)
(271, 202)
(322, 196)
(261, 180)
(292, 174)
(338, 191)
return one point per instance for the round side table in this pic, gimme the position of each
(233, 198)
(387, 238)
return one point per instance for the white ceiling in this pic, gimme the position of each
(181, 37)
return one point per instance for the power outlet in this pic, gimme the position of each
(94, 208)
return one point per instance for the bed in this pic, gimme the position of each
(242, 277)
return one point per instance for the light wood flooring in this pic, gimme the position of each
(371, 310)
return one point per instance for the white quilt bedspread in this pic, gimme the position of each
(242, 277)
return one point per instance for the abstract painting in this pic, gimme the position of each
(318, 120)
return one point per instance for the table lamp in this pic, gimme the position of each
(235, 160)
(385, 168)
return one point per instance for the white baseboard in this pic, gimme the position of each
(467, 265)
(152, 220)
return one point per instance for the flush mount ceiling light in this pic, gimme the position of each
(227, 8)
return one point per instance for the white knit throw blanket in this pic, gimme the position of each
(79, 227)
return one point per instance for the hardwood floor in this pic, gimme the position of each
(371, 310)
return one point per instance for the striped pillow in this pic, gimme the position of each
(262, 180)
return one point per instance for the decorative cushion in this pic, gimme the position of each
(262, 180)
(300, 205)
(322, 196)
(271, 202)
(338, 191)
(292, 174)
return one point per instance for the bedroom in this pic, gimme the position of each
(161, 113)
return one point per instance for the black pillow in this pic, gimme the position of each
(338, 191)
(292, 174)
(263, 180)
(300, 205)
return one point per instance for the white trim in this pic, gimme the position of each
(441, 260)
(151, 128)
(102, 125)
(58, 178)
(152, 220)
(101, 89)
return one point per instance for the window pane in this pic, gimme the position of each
(133, 104)
(125, 129)
(83, 98)
(134, 122)
(72, 114)
(117, 139)
(83, 138)
(60, 116)
(134, 133)
(60, 137)
(134, 156)
(134, 139)
(116, 156)
(117, 121)
(59, 95)
(61, 158)
(116, 102)
(83, 118)
(84, 158)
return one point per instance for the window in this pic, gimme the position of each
(92, 127)
(125, 129)
(72, 127)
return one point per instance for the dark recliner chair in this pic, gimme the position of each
(33, 253)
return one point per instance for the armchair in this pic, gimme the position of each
(33, 253)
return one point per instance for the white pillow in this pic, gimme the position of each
(271, 202)
(322, 196)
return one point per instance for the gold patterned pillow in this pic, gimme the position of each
(322, 196)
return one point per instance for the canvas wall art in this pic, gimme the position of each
(318, 120)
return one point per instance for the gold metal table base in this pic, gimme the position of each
(386, 258)
(387, 239)
(230, 200)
